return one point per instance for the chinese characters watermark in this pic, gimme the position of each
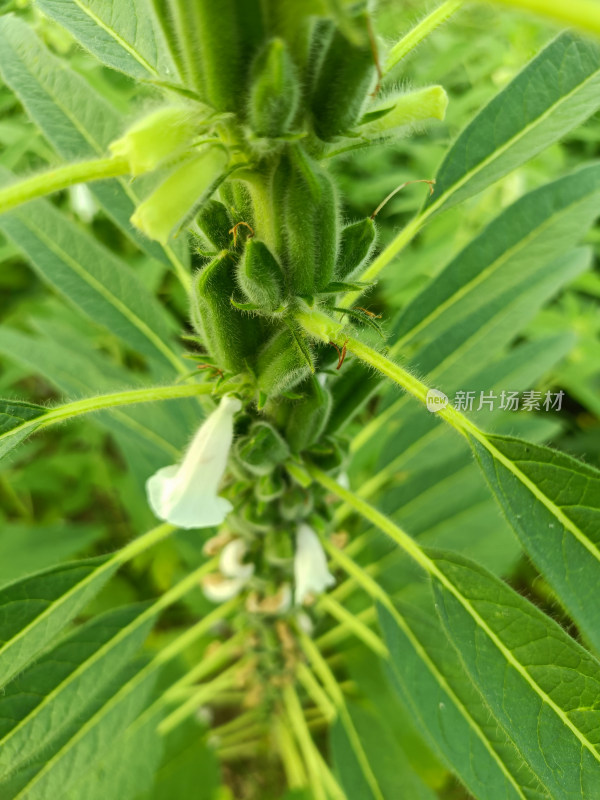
(491, 401)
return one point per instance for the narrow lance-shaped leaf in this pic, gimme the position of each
(125, 36)
(541, 686)
(77, 121)
(91, 278)
(37, 608)
(52, 695)
(554, 93)
(17, 421)
(430, 679)
(553, 503)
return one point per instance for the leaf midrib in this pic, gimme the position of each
(490, 269)
(118, 39)
(414, 550)
(95, 284)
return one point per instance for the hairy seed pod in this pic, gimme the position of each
(343, 83)
(187, 187)
(308, 416)
(261, 449)
(215, 223)
(356, 243)
(238, 201)
(260, 276)
(231, 336)
(321, 33)
(274, 92)
(218, 39)
(281, 364)
(305, 203)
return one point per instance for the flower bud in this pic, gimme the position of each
(356, 243)
(343, 83)
(231, 336)
(275, 91)
(156, 137)
(310, 565)
(215, 223)
(262, 449)
(175, 200)
(280, 364)
(407, 109)
(260, 276)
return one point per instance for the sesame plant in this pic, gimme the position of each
(364, 574)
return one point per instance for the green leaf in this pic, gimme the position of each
(554, 93)
(388, 761)
(538, 683)
(553, 503)
(17, 421)
(186, 762)
(27, 548)
(35, 609)
(126, 37)
(52, 695)
(428, 676)
(534, 231)
(92, 278)
(77, 121)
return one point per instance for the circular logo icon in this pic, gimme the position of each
(436, 400)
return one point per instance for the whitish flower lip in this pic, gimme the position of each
(310, 565)
(185, 494)
(218, 589)
(231, 560)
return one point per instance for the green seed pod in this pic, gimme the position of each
(356, 243)
(260, 276)
(322, 31)
(274, 92)
(231, 336)
(308, 416)
(215, 223)
(406, 109)
(343, 83)
(164, 133)
(238, 201)
(219, 38)
(188, 186)
(305, 203)
(262, 449)
(269, 487)
(281, 364)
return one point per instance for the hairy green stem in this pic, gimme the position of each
(354, 624)
(107, 401)
(584, 14)
(421, 30)
(60, 178)
(305, 741)
(290, 757)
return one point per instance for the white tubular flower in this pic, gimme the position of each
(186, 494)
(310, 565)
(219, 589)
(231, 561)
